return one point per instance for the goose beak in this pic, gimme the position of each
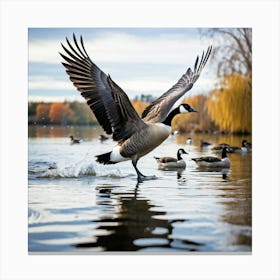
(193, 110)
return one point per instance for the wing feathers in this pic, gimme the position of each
(158, 110)
(109, 103)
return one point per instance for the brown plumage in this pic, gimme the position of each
(113, 110)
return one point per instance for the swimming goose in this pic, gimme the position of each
(219, 147)
(135, 136)
(102, 138)
(189, 141)
(204, 144)
(248, 145)
(214, 161)
(242, 149)
(73, 140)
(169, 163)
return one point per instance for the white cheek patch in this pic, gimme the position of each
(182, 109)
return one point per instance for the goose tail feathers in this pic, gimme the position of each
(104, 158)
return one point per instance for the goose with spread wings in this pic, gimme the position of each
(135, 136)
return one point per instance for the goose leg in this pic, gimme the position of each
(141, 177)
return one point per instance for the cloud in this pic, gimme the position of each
(139, 63)
(45, 82)
(122, 47)
(146, 85)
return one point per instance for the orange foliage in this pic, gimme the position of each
(139, 106)
(42, 112)
(60, 112)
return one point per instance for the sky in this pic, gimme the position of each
(139, 60)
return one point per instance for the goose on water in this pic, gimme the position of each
(219, 147)
(204, 144)
(73, 140)
(214, 161)
(169, 163)
(248, 145)
(136, 136)
(242, 149)
(102, 138)
(189, 141)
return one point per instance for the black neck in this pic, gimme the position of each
(224, 153)
(170, 116)
(179, 155)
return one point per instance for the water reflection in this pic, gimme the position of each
(189, 210)
(131, 224)
(83, 132)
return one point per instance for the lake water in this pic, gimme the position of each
(77, 205)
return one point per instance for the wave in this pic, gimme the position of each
(80, 170)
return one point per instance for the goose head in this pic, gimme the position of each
(185, 108)
(181, 109)
(225, 151)
(244, 143)
(180, 152)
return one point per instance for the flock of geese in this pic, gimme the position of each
(171, 163)
(135, 136)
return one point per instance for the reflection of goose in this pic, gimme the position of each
(165, 163)
(135, 136)
(127, 230)
(73, 140)
(214, 161)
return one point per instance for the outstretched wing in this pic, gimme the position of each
(158, 110)
(107, 100)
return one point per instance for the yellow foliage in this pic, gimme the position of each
(194, 121)
(231, 106)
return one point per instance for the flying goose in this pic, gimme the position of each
(214, 161)
(73, 140)
(169, 163)
(135, 136)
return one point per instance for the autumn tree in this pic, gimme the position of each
(42, 113)
(60, 113)
(230, 107)
(230, 104)
(82, 114)
(233, 50)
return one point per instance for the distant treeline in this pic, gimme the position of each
(227, 109)
(66, 113)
